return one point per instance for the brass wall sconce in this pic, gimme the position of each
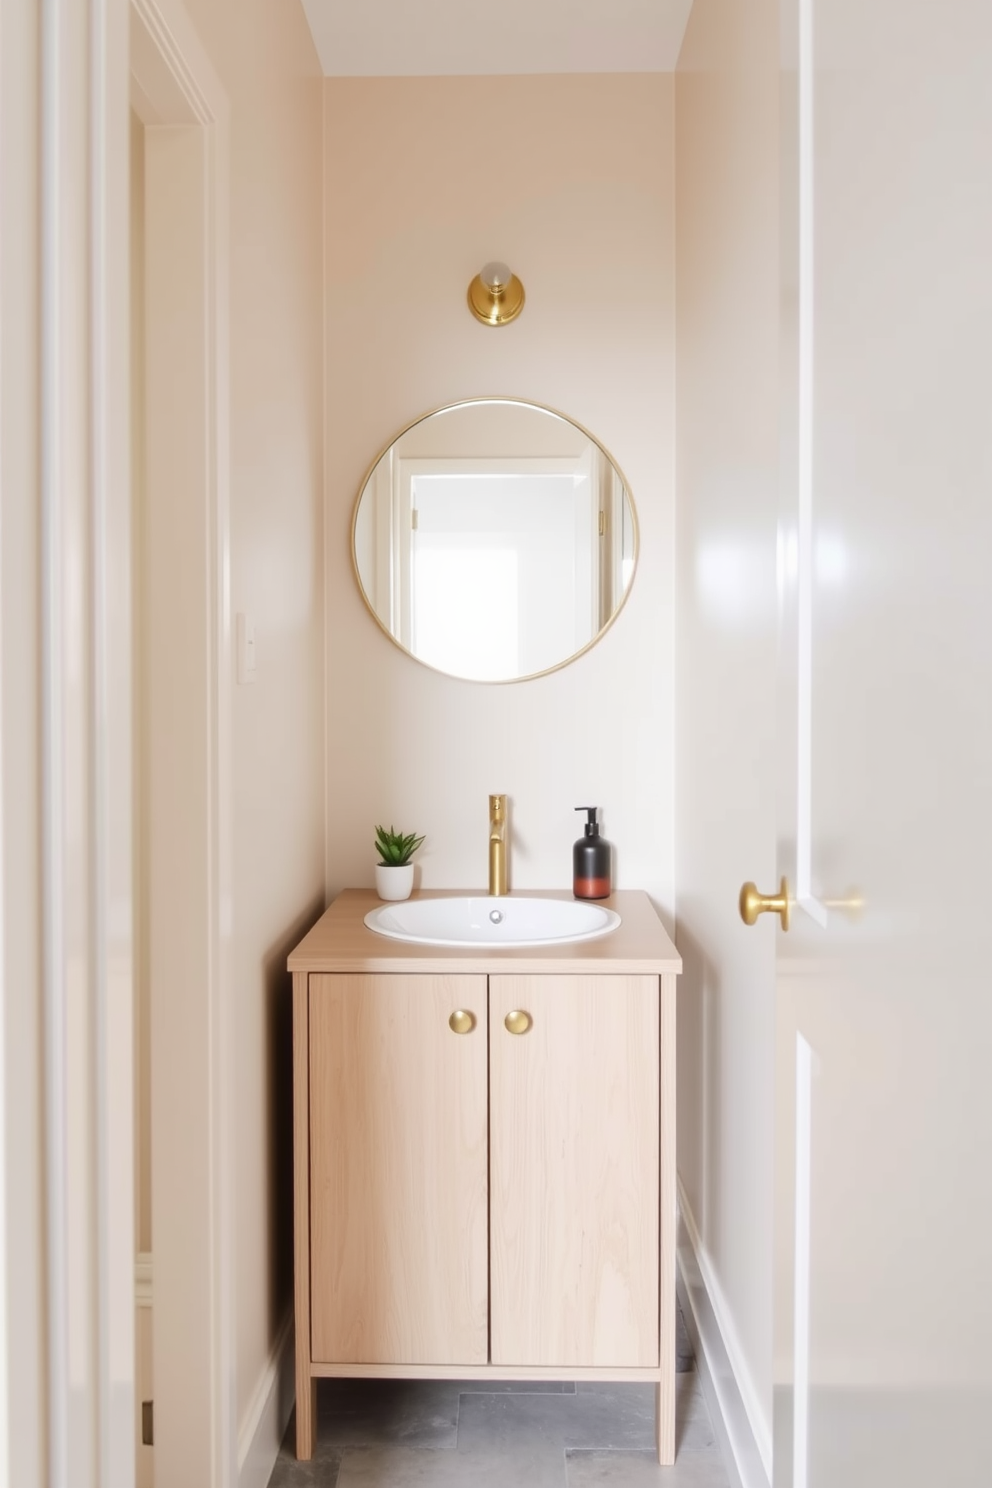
(495, 295)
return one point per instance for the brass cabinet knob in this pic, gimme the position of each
(461, 1021)
(518, 1021)
(753, 904)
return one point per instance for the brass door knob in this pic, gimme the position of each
(753, 904)
(461, 1021)
(518, 1021)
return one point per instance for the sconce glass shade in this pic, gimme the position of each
(496, 276)
(495, 295)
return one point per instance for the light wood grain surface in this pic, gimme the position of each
(668, 1181)
(398, 1154)
(574, 1171)
(340, 941)
(491, 1372)
(306, 1396)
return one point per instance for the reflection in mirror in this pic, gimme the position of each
(494, 540)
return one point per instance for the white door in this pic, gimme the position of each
(883, 1272)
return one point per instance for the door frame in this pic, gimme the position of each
(85, 1405)
(174, 86)
(68, 1178)
(63, 190)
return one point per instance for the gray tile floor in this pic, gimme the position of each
(472, 1434)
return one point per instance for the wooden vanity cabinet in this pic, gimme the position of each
(573, 1124)
(484, 1163)
(399, 1254)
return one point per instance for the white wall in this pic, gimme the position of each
(726, 106)
(264, 56)
(569, 179)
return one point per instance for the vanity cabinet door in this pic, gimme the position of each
(574, 1130)
(398, 1170)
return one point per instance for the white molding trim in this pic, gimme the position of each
(179, 47)
(85, 747)
(266, 1419)
(744, 1435)
(175, 40)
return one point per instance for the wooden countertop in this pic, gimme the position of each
(340, 941)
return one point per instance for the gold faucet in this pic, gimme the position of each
(497, 844)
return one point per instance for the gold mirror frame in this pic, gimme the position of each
(525, 403)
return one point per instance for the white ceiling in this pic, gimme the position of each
(434, 38)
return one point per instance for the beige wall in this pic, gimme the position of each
(570, 180)
(726, 100)
(264, 56)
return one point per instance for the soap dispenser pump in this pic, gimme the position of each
(592, 861)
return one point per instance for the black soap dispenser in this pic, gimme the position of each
(592, 861)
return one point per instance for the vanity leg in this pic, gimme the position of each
(306, 1386)
(665, 1394)
(664, 1405)
(306, 1413)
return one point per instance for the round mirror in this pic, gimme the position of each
(494, 540)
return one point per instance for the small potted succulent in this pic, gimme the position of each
(394, 871)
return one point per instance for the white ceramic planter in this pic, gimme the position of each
(394, 883)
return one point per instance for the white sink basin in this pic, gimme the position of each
(483, 921)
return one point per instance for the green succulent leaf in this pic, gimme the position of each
(394, 848)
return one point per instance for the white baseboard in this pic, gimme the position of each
(264, 1425)
(744, 1437)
